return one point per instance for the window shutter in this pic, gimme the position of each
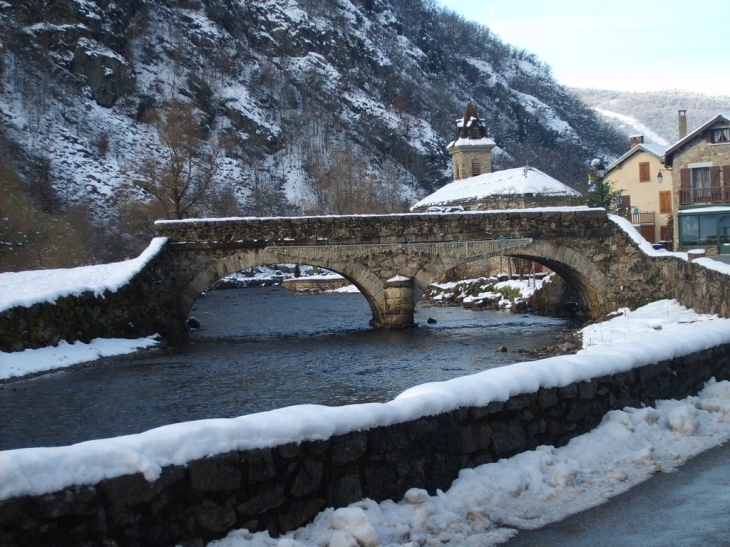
(684, 178)
(644, 172)
(726, 175)
(625, 201)
(708, 136)
(715, 176)
(665, 202)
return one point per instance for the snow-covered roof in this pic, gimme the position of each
(656, 150)
(484, 141)
(513, 182)
(695, 210)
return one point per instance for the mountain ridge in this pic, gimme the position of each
(656, 110)
(303, 98)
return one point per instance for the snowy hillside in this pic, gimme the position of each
(653, 114)
(306, 105)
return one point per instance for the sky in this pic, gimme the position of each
(622, 45)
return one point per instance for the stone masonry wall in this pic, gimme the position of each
(121, 314)
(387, 229)
(696, 287)
(280, 488)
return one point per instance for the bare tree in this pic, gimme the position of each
(179, 176)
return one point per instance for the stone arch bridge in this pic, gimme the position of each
(392, 258)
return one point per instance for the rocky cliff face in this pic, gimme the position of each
(290, 89)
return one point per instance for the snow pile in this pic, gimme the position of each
(510, 182)
(661, 319)
(41, 470)
(527, 287)
(642, 243)
(347, 289)
(32, 361)
(712, 264)
(484, 291)
(487, 505)
(34, 286)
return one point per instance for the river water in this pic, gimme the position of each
(260, 349)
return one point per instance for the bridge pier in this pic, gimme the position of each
(398, 305)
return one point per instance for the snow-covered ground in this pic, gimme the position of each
(488, 505)
(33, 361)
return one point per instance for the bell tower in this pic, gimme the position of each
(471, 149)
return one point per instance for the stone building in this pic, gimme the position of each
(700, 167)
(646, 188)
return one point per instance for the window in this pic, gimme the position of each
(701, 177)
(476, 168)
(698, 229)
(644, 172)
(665, 202)
(725, 229)
(721, 135)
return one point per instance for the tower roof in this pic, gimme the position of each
(470, 130)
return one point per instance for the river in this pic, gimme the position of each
(260, 349)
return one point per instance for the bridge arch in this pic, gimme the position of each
(575, 268)
(369, 284)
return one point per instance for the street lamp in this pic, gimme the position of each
(659, 177)
(600, 169)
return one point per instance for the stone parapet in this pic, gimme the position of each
(146, 305)
(283, 487)
(389, 229)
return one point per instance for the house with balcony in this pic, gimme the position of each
(700, 166)
(640, 176)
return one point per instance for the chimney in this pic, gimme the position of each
(636, 140)
(682, 124)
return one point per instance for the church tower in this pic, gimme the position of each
(471, 149)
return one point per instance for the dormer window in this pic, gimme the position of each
(720, 135)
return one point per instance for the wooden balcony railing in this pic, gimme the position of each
(712, 194)
(643, 218)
